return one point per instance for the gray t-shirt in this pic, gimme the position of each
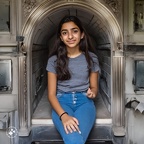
(78, 68)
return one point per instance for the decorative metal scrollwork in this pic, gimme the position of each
(114, 4)
(28, 5)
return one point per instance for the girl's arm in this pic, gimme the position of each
(70, 123)
(52, 84)
(93, 89)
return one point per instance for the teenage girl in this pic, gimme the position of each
(72, 82)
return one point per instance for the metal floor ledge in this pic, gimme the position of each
(49, 135)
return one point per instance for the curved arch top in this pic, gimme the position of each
(47, 7)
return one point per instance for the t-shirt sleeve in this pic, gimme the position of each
(95, 63)
(51, 65)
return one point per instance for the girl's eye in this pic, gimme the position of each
(63, 33)
(75, 30)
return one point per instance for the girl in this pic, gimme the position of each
(72, 82)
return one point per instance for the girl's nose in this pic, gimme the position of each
(70, 36)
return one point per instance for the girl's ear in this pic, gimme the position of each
(82, 35)
(61, 38)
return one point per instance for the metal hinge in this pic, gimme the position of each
(19, 38)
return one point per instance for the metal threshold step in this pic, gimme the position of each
(42, 121)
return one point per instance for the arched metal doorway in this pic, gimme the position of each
(117, 69)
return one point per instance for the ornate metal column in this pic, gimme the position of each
(22, 97)
(118, 107)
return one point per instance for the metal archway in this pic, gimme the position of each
(116, 40)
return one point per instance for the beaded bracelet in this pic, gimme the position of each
(62, 115)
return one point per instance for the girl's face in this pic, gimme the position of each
(71, 35)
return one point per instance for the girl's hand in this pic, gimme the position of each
(70, 124)
(90, 94)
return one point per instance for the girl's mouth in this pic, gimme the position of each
(71, 42)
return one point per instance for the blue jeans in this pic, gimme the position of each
(78, 105)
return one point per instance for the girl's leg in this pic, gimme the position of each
(71, 138)
(86, 115)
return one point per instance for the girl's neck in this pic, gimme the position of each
(72, 53)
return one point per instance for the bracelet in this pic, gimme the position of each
(62, 115)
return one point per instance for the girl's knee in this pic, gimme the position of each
(73, 138)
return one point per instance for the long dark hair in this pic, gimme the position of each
(61, 52)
